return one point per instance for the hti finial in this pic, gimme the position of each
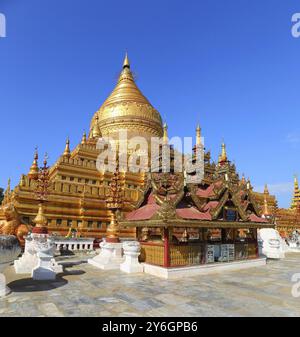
(34, 169)
(67, 152)
(83, 139)
(198, 135)
(126, 63)
(223, 156)
(266, 189)
(46, 157)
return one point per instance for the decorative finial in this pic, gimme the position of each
(83, 139)
(243, 179)
(46, 159)
(296, 181)
(22, 180)
(266, 190)
(126, 63)
(34, 169)
(165, 135)
(223, 155)
(67, 152)
(248, 184)
(198, 135)
(96, 133)
(8, 185)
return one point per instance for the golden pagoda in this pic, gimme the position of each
(127, 108)
(74, 176)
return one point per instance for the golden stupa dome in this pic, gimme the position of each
(127, 108)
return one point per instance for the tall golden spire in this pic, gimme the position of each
(165, 135)
(8, 189)
(296, 197)
(34, 169)
(83, 139)
(266, 208)
(266, 190)
(223, 155)
(198, 135)
(67, 152)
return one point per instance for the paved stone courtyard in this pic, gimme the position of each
(83, 290)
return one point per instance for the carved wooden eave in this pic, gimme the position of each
(215, 213)
(194, 224)
(143, 192)
(253, 203)
(199, 202)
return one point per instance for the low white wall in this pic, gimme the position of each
(173, 273)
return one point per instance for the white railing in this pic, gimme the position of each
(74, 244)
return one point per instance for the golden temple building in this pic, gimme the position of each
(78, 190)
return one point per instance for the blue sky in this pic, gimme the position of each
(231, 65)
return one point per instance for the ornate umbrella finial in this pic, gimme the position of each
(67, 152)
(83, 139)
(34, 169)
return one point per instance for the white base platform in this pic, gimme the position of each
(274, 255)
(113, 263)
(173, 273)
(132, 268)
(109, 258)
(25, 264)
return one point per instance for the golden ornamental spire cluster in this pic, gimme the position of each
(115, 196)
(43, 182)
